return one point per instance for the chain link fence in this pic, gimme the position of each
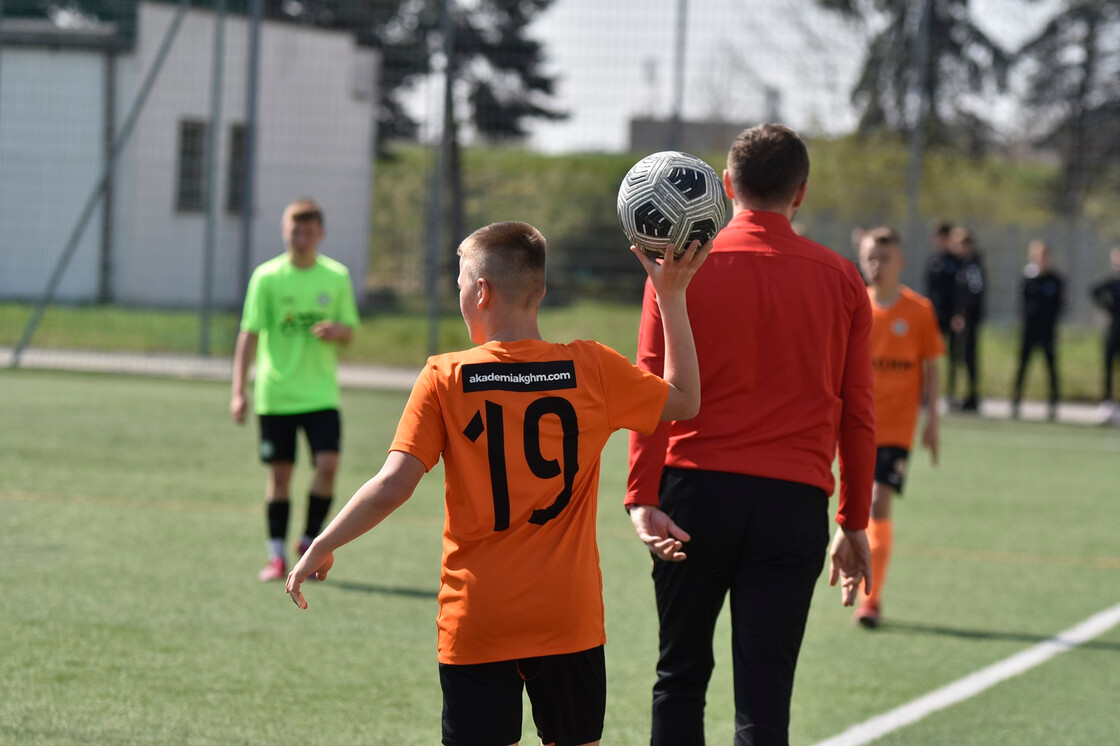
(147, 149)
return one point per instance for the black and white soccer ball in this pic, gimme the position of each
(670, 198)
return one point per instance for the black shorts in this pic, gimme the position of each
(568, 694)
(890, 466)
(278, 434)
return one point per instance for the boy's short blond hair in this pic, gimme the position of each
(511, 256)
(304, 210)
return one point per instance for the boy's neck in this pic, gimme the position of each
(303, 261)
(509, 325)
(514, 333)
(885, 295)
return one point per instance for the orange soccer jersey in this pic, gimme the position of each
(902, 336)
(520, 426)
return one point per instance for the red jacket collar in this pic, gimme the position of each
(768, 221)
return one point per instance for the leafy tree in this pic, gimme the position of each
(962, 62)
(389, 25)
(1073, 86)
(496, 73)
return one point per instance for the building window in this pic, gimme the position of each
(235, 188)
(191, 194)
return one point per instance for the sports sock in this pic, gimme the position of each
(277, 512)
(317, 508)
(880, 537)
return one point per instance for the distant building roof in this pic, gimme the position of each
(651, 135)
(43, 32)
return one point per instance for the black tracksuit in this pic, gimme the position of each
(969, 285)
(1106, 294)
(941, 278)
(1042, 299)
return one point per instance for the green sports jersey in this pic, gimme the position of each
(296, 372)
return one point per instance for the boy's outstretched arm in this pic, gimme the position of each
(370, 505)
(670, 280)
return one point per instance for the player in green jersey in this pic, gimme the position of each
(299, 309)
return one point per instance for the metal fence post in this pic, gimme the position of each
(675, 126)
(436, 206)
(917, 131)
(1, 49)
(249, 182)
(212, 153)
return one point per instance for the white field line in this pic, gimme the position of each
(973, 684)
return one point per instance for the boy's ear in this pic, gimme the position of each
(533, 300)
(484, 292)
(728, 189)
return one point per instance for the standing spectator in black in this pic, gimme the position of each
(1106, 294)
(941, 276)
(1042, 299)
(967, 313)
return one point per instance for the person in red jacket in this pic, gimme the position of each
(734, 501)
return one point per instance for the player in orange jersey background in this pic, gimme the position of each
(905, 346)
(520, 424)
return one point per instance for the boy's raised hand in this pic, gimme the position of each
(672, 274)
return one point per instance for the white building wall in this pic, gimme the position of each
(51, 130)
(315, 138)
(317, 120)
(158, 251)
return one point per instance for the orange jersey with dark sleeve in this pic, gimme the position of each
(902, 336)
(520, 426)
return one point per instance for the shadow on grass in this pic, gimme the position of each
(386, 590)
(914, 628)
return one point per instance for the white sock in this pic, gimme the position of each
(276, 548)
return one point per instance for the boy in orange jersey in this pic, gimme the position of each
(520, 424)
(905, 346)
